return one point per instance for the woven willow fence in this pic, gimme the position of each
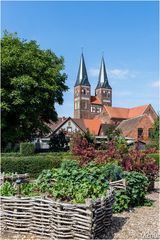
(56, 220)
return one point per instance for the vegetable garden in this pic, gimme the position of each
(77, 188)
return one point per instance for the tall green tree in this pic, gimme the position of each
(32, 82)
(154, 136)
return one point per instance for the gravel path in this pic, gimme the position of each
(141, 223)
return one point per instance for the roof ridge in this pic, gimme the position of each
(142, 115)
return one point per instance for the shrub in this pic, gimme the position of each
(27, 148)
(59, 142)
(137, 185)
(109, 154)
(32, 165)
(121, 202)
(11, 154)
(134, 195)
(138, 161)
(82, 149)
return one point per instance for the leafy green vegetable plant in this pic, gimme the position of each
(121, 201)
(7, 189)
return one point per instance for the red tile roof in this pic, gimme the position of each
(95, 100)
(136, 111)
(93, 125)
(125, 113)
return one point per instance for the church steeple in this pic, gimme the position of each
(103, 89)
(103, 79)
(82, 78)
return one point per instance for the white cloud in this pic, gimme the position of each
(121, 73)
(155, 84)
(116, 73)
(93, 72)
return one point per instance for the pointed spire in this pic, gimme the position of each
(103, 79)
(82, 78)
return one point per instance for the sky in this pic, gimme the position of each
(126, 33)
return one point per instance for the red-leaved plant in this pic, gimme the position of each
(82, 149)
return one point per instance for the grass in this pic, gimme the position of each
(156, 156)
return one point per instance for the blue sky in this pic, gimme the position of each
(127, 33)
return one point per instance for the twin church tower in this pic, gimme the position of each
(85, 105)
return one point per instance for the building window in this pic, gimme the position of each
(69, 129)
(93, 109)
(140, 132)
(83, 91)
(84, 105)
(69, 123)
(98, 110)
(76, 105)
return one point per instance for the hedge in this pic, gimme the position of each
(27, 148)
(32, 164)
(11, 154)
(62, 155)
(156, 156)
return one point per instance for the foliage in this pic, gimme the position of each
(121, 202)
(109, 154)
(156, 156)
(32, 164)
(11, 154)
(150, 148)
(59, 142)
(135, 192)
(112, 132)
(137, 185)
(6, 189)
(29, 189)
(76, 184)
(138, 161)
(32, 83)
(27, 148)
(81, 148)
(89, 137)
(154, 138)
(121, 145)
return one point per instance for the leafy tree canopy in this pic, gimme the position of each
(154, 136)
(112, 132)
(59, 142)
(32, 82)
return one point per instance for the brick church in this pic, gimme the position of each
(96, 113)
(85, 105)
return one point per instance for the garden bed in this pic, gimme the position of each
(55, 219)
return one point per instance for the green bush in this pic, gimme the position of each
(137, 185)
(11, 154)
(27, 148)
(32, 165)
(121, 202)
(156, 156)
(134, 195)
